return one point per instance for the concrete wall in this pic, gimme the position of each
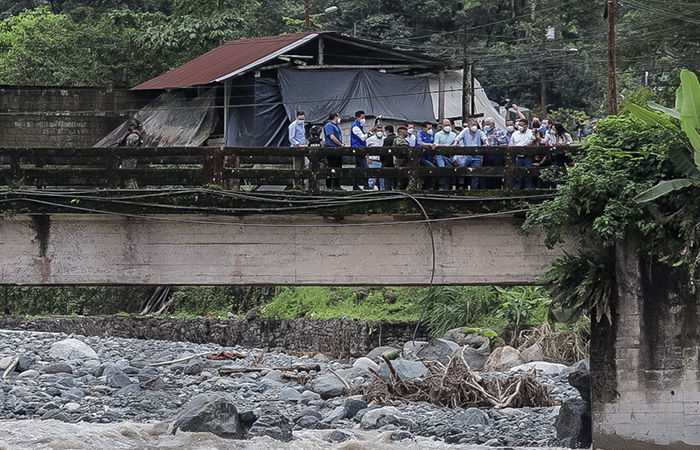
(334, 338)
(645, 366)
(78, 249)
(68, 117)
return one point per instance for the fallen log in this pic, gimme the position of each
(11, 367)
(301, 368)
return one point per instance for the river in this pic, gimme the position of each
(55, 435)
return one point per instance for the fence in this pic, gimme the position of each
(236, 167)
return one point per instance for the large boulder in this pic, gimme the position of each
(405, 369)
(470, 417)
(213, 413)
(327, 386)
(274, 425)
(573, 424)
(476, 357)
(580, 378)
(438, 349)
(502, 359)
(466, 336)
(533, 353)
(376, 354)
(370, 418)
(72, 349)
(410, 348)
(545, 368)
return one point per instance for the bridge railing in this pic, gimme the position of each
(235, 167)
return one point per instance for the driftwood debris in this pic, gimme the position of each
(457, 385)
(11, 367)
(186, 358)
(227, 355)
(300, 367)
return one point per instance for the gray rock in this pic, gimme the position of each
(307, 412)
(377, 352)
(438, 349)
(311, 422)
(405, 369)
(290, 393)
(25, 362)
(5, 362)
(73, 394)
(247, 418)
(466, 336)
(28, 374)
(533, 353)
(574, 424)
(353, 405)
(321, 357)
(340, 436)
(194, 367)
(119, 380)
(56, 414)
(472, 416)
(308, 396)
(327, 386)
(502, 359)
(147, 373)
(213, 413)
(476, 357)
(410, 348)
(72, 349)
(65, 379)
(274, 425)
(275, 375)
(110, 369)
(58, 368)
(365, 363)
(338, 413)
(127, 390)
(370, 418)
(580, 378)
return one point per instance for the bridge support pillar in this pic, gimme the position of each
(645, 366)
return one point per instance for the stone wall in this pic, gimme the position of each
(334, 338)
(645, 365)
(64, 117)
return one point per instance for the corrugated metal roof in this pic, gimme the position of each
(228, 60)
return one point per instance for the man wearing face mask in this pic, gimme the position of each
(471, 136)
(297, 138)
(521, 138)
(497, 137)
(358, 138)
(411, 137)
(375, 139)
(510, 129)
(334, 138)
(444, 138)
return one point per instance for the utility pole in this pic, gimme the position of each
(308, 16)
(612, 78)
(543, 73)
(466, 81)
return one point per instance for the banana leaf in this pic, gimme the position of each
(647, 116)
(690, 108)
(663, 109)
(679, 98)
(694, 138)
(684, 164)
(663, 188)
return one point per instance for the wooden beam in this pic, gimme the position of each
(320, 50)
(398, 55)
(441, 96)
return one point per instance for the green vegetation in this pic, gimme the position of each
(33, 301)
(599, 204)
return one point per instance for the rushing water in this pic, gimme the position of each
(55, 435)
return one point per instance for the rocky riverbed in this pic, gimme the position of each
(104, 382)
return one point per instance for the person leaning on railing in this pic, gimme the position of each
(497, 138)
(334, 138)
(557, 136)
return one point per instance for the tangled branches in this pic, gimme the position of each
(457, 385)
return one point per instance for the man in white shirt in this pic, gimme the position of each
(523, 137)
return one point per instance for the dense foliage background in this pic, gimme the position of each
(121, 43)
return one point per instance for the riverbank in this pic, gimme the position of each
(133, 381)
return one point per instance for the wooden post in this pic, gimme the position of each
(413, 164)
(441, 95)
(213, 167)
(314, 167)
(227, 100)
(509, 179)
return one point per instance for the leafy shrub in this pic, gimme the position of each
(452, 307)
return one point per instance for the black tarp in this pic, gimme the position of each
(319, 92)
(262, 125)
(172, 120)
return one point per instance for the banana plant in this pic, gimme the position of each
(687, 110)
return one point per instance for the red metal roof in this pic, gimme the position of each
(227, 60)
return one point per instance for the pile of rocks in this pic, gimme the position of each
(90, 379)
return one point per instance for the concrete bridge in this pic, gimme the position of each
(645, 365)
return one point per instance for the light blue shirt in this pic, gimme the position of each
(442, 138)
(297, 134)
(465, 138)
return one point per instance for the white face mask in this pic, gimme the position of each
(521, 128)
(510, 128)
(410, 131)
(338, 122)
(301, 121)
(362, 121)
(430, 132)
(473, 128)
(447, 129)
(487, 128)
(380, 134)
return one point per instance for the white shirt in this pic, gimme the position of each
(374, 141)
(522, 139)
(553, 139)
